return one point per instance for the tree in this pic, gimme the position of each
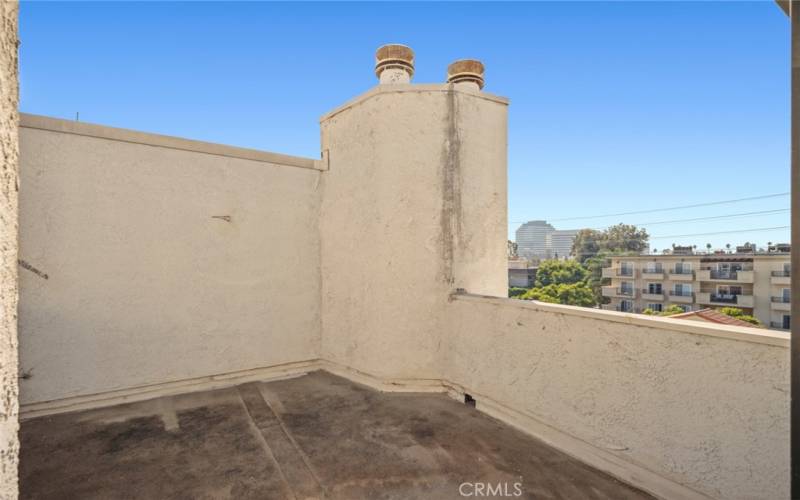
(586, 244)
(708, 247)
(619, 239)
(595, 280)
(575, 294)
(670, 311)
(592, 249)
(557, 272)
(728, 246)
(735, 312)
(516, 291)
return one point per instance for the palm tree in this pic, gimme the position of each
(708, 247)
(728, 246)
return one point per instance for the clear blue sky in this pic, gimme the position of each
(615, 107)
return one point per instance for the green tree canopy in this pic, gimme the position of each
(619, 239)
(560, 272)
(670, 311)
(574, 294)
(735, 312)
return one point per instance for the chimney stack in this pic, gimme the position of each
(466, 74)
(394, 64)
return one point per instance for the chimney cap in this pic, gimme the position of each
(466, 71)
(394, 55)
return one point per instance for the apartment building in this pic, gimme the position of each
(757, 283)
(521, 273)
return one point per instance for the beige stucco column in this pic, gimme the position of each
(413, 209)
(9, 120)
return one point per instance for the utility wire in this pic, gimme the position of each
(720, 232)
(713, 217)
(695, 219)
(666, 209)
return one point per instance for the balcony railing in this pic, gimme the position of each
(681, 272)
(625, 291)
(681, 293)
(723, 275)
(778, 324)
(617, 272)
(647, 291)
(782, 274)
(782, 300)
(724, 298)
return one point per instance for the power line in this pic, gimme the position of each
(713, 217)
(757, 229)
(666, 209)
(720, 232)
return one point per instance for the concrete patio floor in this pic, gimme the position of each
(316, 436)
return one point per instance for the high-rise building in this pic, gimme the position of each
(561, 243)
(532, 239)
(537, 239)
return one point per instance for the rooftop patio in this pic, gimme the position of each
(153, 268)
(314, 436)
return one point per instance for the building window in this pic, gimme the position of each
(654, 288)
(683, 268)
(655, 307)
(787, 321)
(682, 290)
(626, 268)
(729, 290)
(685, 308)
(626, 306)
(653, 267)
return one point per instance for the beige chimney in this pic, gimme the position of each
(394, 64)
(466, 74)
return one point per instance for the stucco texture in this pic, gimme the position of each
(144, 265)
(393, 226)
(9, 94)
(710, 413)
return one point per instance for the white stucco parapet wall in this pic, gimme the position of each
(165, 141)
(744, 334)
(681, 409)
(150, 263)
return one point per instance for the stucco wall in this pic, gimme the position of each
(704, 410)
(130, 275)
(9, 445)
(413, 207)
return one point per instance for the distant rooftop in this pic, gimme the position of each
(712, 316)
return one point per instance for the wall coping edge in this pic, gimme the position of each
(165, 141)
(739, 333)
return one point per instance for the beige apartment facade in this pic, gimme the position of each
(757, 283)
